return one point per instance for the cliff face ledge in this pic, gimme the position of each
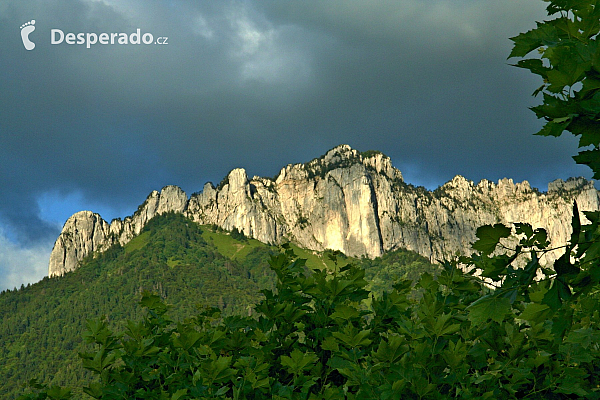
(354, 202)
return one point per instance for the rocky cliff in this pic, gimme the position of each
(354, 202)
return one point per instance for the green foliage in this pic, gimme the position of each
(489, 237)
(382, 272)
(41, 325)
(232, 245)
(319, 334)
(569, 64)
(42, 392)
(138, 242)
(370, 153)
(238, 235)
(186, 264)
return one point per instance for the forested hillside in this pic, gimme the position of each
(188, 265)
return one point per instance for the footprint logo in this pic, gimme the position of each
(26, 29)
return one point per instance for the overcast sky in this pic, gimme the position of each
(253, 84)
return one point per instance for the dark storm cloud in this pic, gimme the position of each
(257, 84)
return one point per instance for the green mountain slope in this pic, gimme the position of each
(187, 264)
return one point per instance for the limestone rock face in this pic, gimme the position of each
(170, 198)
(83, 233)
(86, 232)
(354, 202)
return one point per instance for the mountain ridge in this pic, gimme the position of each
(357, 203)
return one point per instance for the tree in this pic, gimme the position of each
(321, 335)
(569, 63)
